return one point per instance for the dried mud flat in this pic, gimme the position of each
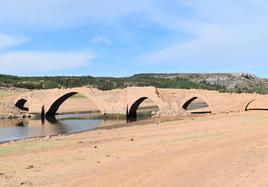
(222, 150)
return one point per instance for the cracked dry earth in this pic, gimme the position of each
(222, 150)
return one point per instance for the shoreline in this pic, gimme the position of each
(110, 127)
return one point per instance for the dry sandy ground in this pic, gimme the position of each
(224, 150)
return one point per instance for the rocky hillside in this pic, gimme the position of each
(241, 82)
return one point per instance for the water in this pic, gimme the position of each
(17, 129)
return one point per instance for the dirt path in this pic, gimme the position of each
(224, 150)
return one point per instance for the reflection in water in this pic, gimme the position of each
(27, 128)
(20, 124)
(50, 118)
(15, 129)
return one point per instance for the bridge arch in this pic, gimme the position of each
(203, 103)
(21, 104)
(247, 106)
(257, 104)
(132, 114)
(55, 105)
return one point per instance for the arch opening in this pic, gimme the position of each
(195, 105)
(22, 105)
(256, 105)
(143, 108)
(71, 103)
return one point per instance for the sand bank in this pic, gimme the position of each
(222, 150)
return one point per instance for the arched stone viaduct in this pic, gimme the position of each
(171, 102)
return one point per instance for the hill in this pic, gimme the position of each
(223, 82)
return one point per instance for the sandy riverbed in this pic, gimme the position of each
(223, 150)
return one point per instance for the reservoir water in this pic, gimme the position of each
(16, 129)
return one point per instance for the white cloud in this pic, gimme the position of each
(10, 41)
(101, 39)
(25, 63)
(214, 31)
(213, 44)
(221, 34)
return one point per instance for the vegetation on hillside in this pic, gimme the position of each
(108, 83)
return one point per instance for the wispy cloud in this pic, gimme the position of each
(101, 39)
(213, 44)
(193, 35)
(221, 34)
(7, 41)
(34, 63)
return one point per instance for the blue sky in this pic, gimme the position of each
(121, 38)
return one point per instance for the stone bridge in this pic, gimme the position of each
(171, 102)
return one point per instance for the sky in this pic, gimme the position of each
(120, 38)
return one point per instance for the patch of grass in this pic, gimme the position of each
(30, 146)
